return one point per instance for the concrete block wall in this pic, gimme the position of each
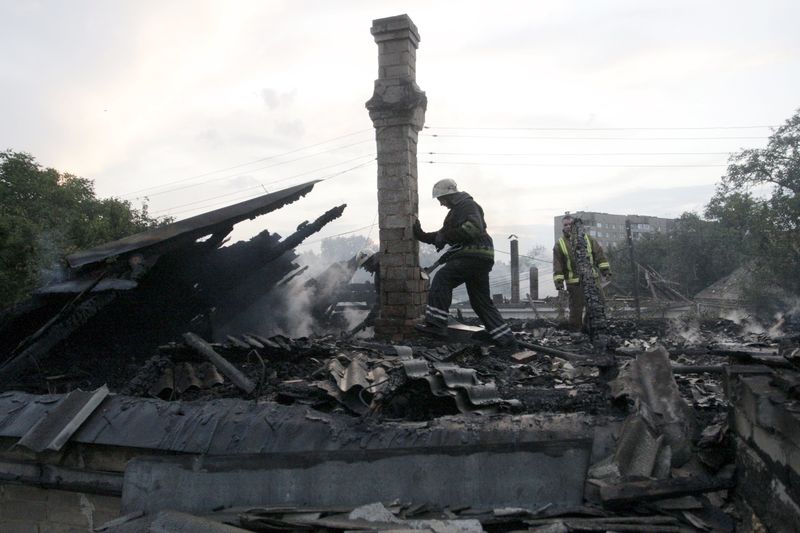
(766, 426)
(28, 509)
(397, 110)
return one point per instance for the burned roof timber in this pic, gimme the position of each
(191, 228)
(178, 279)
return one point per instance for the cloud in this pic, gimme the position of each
(290, 128)
(274, 99)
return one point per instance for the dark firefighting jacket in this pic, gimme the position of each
(464, 228)
(564, 260)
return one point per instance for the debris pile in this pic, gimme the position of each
(173, 323)
(666, 464)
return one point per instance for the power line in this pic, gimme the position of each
(343, 233)
(231, 176)
(263, 185)
(645, 128)
(252, 162)
(573, 154)
(275, 181)
(324, 178)
(551, 138)
(555, 165)
(525, 256)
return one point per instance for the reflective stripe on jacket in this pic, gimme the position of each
(562, 260)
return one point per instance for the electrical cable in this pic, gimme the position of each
(589, 128)
(251, 162)
(263, 185)
(555, 165)
(320, 179)
(574, 154)
(525, 256)
(551, 138)
(339, 234)
(190, 185)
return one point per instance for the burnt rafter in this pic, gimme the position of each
(259, 280)
(165, 238)
(180, 279)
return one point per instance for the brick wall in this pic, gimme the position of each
(27, 509)
(766, 426)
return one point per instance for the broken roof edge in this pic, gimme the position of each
(235, 427)
(231, 214)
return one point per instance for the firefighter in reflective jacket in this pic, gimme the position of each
(564, 271)
(469, 260)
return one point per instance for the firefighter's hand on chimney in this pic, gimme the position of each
(417, 229)
(560, 285)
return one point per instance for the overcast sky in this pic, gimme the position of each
(153, 98)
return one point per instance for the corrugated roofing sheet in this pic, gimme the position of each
(54, 429)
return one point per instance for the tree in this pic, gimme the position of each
(45, 214)
(759, 200)
(752, 220)
(693, 254)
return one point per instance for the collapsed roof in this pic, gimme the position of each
(133, 294)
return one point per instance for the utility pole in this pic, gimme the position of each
(514, 269)
(634, 271)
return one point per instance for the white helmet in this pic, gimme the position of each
(444, 187)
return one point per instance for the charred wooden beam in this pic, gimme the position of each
(56, 332)
(639, 491)
(230, 371)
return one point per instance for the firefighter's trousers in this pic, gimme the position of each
(577, 306)
(474, 272)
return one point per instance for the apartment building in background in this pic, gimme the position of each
(609, 229)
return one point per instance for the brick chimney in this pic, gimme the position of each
(397, 110)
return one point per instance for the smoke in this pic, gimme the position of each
(686, 328)
(787, 321)
(745, 320)
(296, 306)
(302, 307)
(353, 317)
(49, 250)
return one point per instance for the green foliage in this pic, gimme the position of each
(766, 224)
(753, 220)
(693, 254)
(45, 214)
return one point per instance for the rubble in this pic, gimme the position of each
(551, 437)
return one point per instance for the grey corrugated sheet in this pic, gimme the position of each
(53, 430)
(196, 224)
(461, 384)
(233, 426)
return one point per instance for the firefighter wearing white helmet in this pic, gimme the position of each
(444, 187)
(469, 260)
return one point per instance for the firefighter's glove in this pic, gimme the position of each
(417, 229)
(560, 285)
(607, 274)
(439, 242)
